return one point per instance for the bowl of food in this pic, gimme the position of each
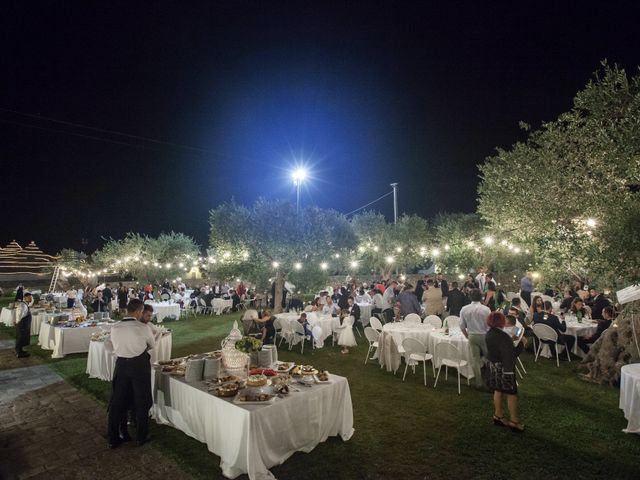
(225, 390)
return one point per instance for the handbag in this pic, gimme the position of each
(500, 380)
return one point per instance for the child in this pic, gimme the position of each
(346, 338)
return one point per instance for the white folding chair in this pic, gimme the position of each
(297, 335)
(165, 297)
(449, 356)
(415, 351)
(203, 307)
(316, 333)
(515, 344)
(376, 324)
(372, 336)
(545, 333)
(285, 331)
(453, 321)
(412, 319)
(433, 320)
(277, 325)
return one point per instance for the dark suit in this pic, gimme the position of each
(598, 304)
(585, 343)
(354, 310)
(560, 327)
(455, 301)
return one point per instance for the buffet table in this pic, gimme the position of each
(101, 362)
(164, 310)
(218, 305)
(250, 439)
(65, 340)
(630, 396)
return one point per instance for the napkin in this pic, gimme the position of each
(194, 370)
(161, 384)
(211, 368)
(265, 358)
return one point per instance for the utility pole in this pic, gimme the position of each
(395, 202)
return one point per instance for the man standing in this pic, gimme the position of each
(388, 298)
(23, 325)
(473, 323)
(526, 287)
(123, 298)
(107, 296)
(71, 297)
(131, 339)
(456, 300)
(481, 278)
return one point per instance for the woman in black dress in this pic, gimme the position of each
(502, 377)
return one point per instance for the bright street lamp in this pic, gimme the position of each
(299, 175)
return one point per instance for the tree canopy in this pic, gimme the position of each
(570, 190)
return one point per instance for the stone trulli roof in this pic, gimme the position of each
(29, 260)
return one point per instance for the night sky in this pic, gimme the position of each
(221, 99)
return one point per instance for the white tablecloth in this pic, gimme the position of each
(390, 343)
(101, 363)
(67, 340)
(250, 439)
(164, 310)
(7, 316)
(630, 396)
(457, 339)
(219, 304)
(326, 323)
(38, 319)
(584, 329)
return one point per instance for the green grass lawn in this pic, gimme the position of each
(404, 430)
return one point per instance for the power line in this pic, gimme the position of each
(370, 203)
(104, 130)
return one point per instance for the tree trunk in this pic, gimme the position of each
(277, 299)
(614, 349)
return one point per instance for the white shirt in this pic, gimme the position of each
(388, 296)
(378, 301)
(131, 338)
(71, 294)
(365, 298)
(22, 310)
(480, 280)
(473, 317)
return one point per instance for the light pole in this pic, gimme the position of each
(395, 202)
(299, 175)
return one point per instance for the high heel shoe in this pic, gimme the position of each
(499, 421)
(515, 427)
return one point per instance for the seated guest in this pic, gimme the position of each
(268, 329)
(567, 300)
(516, 305)
(536, 303)
(305, 323)
(378, 302)
(548, 318)
(598, 302)
(330, 308)
(608, 313)
(578, 309)
(432, 299)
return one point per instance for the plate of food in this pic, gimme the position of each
(246, 398)
(225, 390)
(228, 379)
(304, 370)
(284, 367)
(322, 377)
(269, 372)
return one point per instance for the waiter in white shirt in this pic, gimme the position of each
(131, 339)
(23, 325)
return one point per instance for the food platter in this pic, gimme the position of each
(322, 377)
(304, 370)
(284, 367)
(244, 398)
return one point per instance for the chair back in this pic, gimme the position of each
(202, 302)
(375, 323)
(448, 351)
(546, 298)
(411, 346)
(165, 297)
(519, 338)
(297, 328)
(412, 319)
(371, 334)
(511, 295)
(545, 332)
(433, 320)
(453, 321)
(277, 325)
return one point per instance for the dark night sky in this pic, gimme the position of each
(366, 92)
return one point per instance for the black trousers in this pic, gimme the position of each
(132, 376)
(526, 296)
(23, 334)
